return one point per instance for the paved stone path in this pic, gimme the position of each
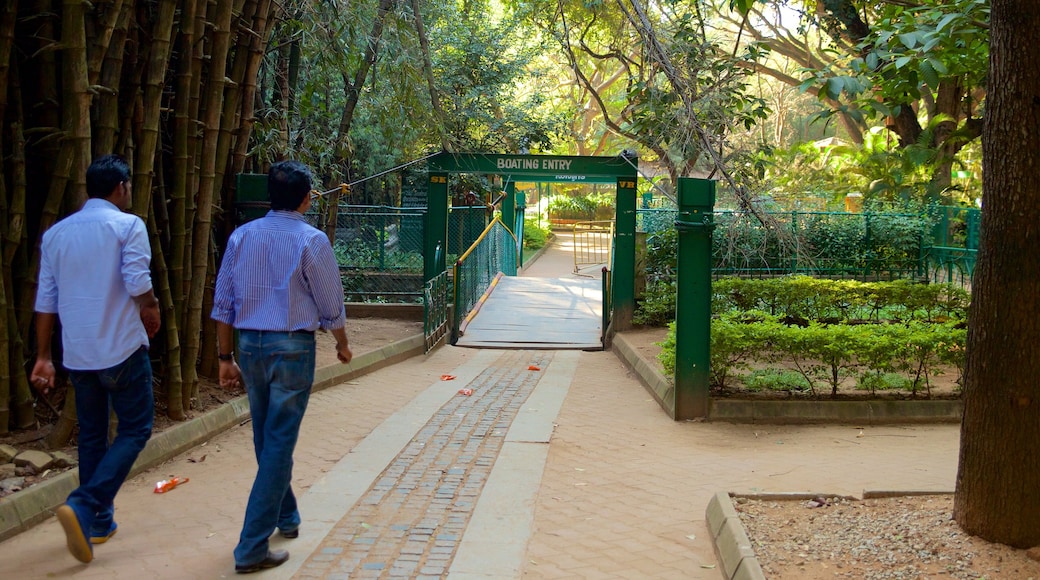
(572, 471)
(410, 521)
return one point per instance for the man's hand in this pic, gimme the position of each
(149, 306)
(230, 375)
(343, 352)
(151, 319)
(42, 377)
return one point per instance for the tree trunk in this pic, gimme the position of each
(200, 245)
(352, 88)
(77, 100)
(999, 470)
(431, 84)
(60, 435)
(183, 126)
(146, 151)
(108, 99)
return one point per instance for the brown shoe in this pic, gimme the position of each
(274, 559)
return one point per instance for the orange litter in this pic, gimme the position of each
(447, 377)
(533, 368)
(168, 484)
(466, 392)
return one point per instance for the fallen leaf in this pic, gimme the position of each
(708, 566)
(466, 392)
(691, 537)
(447, 377)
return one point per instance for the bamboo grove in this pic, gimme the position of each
(170, 85)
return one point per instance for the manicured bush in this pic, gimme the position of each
(830, 331)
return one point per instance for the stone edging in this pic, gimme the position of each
(731, 543)
(26, 508)
(791, 412)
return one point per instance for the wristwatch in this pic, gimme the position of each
(226, 357)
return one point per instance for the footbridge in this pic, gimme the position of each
(562, 309)
(546, 307)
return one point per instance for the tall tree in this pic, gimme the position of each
(999, 469)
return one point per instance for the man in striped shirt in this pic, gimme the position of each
(278, 283)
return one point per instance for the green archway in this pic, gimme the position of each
(620, 171)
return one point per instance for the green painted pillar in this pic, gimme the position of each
(624, 275)
(693, 300)
(435, 234)
(509, 207)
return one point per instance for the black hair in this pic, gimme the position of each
(105, 173)
(288, 183)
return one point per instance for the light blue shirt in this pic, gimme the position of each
(92, 264)
(279, 273)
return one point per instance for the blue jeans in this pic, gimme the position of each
(278, 371)
(127, 389)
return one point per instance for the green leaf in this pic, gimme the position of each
(938, 65)
(909, 39)
(742, 6)
(929, 74)
(946, 20)
(834, 86)
(903, 61)
(872, 60)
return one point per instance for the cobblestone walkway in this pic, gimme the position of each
(410, 522)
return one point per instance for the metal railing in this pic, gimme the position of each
(436, 298)
(493, 252)
(593, 242)
(870, 246)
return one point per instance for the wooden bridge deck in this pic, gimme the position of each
(539, 313)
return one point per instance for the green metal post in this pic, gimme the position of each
(435, 234)
(625, 254)
(693, 303)
(509, 207)
(251, 200)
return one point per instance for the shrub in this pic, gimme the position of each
(775, 380)
(535, 236)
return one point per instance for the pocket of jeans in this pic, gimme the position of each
(299, 364)
(117, 378)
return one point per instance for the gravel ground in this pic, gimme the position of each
(883, 539)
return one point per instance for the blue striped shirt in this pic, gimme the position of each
(279, 274)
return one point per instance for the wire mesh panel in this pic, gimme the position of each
(465, 224)
(493, 252)
(379, 251)
(873, 246)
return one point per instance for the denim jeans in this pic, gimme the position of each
(278, 370)
(126, 389)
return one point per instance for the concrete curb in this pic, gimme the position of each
(732, 546)
(791, 412)
(655, 382)
(31, 506)
(730, 540)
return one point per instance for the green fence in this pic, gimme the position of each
(494, 251)
(379, 251)
(866, 246)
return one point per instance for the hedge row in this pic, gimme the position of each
(800, 299)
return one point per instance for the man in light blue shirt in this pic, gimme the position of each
(94, 278)
(278, 283)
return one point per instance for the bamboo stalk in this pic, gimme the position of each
(203, 218)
